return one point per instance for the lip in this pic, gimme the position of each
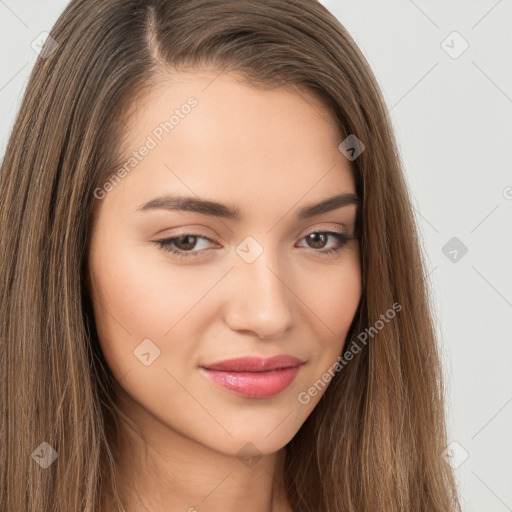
(254, 377)
(255, 364)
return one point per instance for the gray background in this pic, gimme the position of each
(452, 114)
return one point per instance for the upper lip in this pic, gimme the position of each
(255, 364)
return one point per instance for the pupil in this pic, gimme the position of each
(190, 244)
(317, 238)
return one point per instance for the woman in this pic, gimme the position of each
(287, 363)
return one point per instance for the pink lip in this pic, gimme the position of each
(254, 377)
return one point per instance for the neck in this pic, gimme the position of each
(168, 472)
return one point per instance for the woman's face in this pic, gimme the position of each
(259, 284)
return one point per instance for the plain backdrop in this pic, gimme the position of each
(445, 69)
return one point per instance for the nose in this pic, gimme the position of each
(261, 298)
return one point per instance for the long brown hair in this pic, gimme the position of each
(375, 439)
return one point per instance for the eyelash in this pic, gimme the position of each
(166, 245)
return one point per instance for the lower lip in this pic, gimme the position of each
(253, 384)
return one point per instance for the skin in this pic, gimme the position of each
(269, 153)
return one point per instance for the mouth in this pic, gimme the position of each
(254, 377)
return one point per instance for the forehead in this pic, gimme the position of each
(212, 135)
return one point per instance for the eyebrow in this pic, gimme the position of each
(194, 204)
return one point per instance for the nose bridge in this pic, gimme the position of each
(263, 301)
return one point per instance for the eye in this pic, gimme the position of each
(318, 240)
(182, 246)
(186, 241)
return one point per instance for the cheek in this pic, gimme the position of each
(140, 291)
(333, 298)
(334, 294)
(127, 306)
(139, 295)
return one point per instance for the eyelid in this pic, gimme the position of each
(191, 230)
(338, 228)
